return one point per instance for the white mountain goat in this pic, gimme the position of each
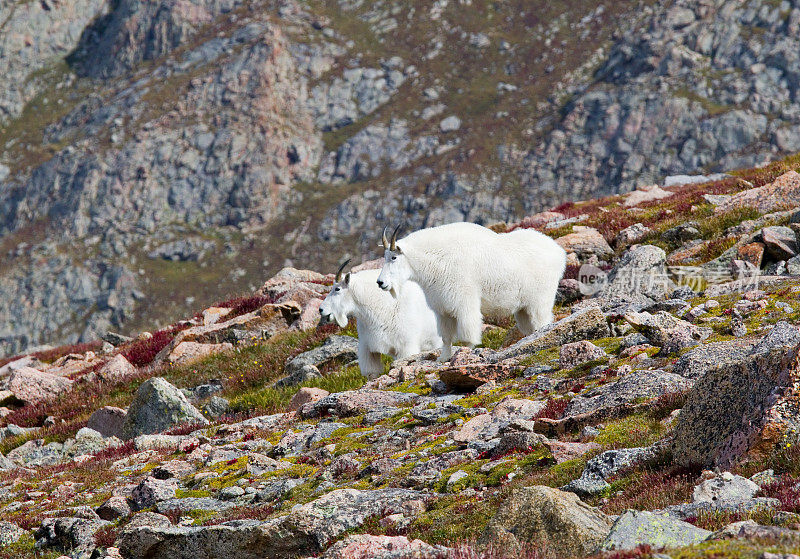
(468, 271)
(398, 326)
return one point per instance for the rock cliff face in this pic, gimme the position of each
(222, 139)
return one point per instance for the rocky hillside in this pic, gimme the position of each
(147, 142)
(656, 417)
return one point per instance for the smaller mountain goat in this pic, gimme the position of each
(400, 327)
(467, 272)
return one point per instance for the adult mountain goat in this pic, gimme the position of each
(398, 326)
(467, 271)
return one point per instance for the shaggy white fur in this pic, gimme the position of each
(399, 327)
(467, 272)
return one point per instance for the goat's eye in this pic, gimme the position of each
(338, 289)
(394, 258)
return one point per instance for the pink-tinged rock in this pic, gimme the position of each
(540, 220)
(470, 377)
(563, 451)
(151, 490)
(631, 235)
(646, 194)
(578, 353)
(189, 352)
(212, 315)
(585, 241)
(464, 356)
(376, 264)
(309, 316)
(783, 192)
(72, 363)
(306, 395)
(517, 408)
(108, 421)
(31, 386)
(264, 322)
(366, 546)
(291, 284)
(474, 428)
(118, 367)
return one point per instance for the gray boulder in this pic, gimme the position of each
(158, 406)
(586, 324)
(634, 528)
(634, 386)
(740, 405)
(69, 534)
(667, 332)
(108, 421)
(605, 465)
(335, 347)
(307, 530)
(640, 271)
(354, 402)
(10, 533)
(547, 517)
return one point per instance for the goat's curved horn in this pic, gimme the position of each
(393, 245)
(341, 269)
(385, 239)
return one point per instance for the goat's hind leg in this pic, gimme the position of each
(447, 330)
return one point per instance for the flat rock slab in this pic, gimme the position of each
(586, 324)
(634, 528)
(335, 347)
(158, 406)
(31, 386)
(546, 517)
(697, 362)
(470, 377)
(634, 386)
(307, 530)
(187, 504)
(354, 402)
(741, 407)
(602, 467)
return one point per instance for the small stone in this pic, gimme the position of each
(108, 421)
(306, 395)
(577, 353)
(450, 124)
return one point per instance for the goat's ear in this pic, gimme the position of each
(398, 250)
(346, 280)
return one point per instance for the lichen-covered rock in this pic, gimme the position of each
(577, 353)
(31, 386)
(640, 271)
(634, 528)
(586, 324)
(739, 407)
(158, 406)
(108, 421)
(549, 518)
(667, 332)
(352, 402)
(635, 386)
(335, 347)
(366, 546)
(71, 534)
(602, 467)
(306, 530)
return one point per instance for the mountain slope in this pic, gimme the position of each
(221, 140)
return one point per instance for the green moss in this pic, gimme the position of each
(493, 338)
(634, 430)
(184, 493)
